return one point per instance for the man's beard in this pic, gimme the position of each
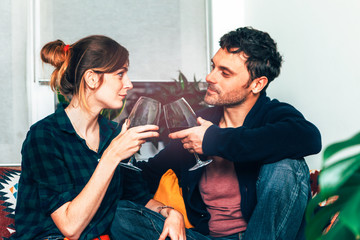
(233, 98)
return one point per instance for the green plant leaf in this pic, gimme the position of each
(317, 223)
(339, 146)
(334, 176)
(338, 231)
(350, 214)
(339, 177)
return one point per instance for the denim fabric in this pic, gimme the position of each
(283, 191)
(54, 237)
(135, 222)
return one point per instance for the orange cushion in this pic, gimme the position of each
(169, 193)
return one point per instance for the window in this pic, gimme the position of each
(162, 37)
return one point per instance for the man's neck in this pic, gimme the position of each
(234, 116)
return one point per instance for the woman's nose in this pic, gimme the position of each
(128, 84)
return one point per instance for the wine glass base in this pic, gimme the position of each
(130, 166)
(200, 164)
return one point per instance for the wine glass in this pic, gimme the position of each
(145, 111)
(179, 116)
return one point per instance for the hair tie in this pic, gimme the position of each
(66, 48)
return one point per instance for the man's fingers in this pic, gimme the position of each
(180, 134)
(200, 120)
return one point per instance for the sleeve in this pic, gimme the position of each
(282, 133)
(44, 170)
(135, 188)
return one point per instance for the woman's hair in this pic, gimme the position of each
(98, 53)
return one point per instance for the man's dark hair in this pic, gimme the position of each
(263, 59)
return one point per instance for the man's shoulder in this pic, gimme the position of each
(276, 108)
(211, 113)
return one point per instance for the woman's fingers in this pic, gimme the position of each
(145, 128)
(125, 126)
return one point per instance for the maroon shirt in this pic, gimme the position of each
(219, 189)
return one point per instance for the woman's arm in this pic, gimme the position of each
(73, 216)
(174, 225)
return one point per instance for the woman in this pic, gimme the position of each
(71, 183)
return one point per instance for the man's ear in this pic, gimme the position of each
(91, 78)
(258, 84)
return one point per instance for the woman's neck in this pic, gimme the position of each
(84, 122)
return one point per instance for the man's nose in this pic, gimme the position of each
(210, 78)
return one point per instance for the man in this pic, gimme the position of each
(257, 186)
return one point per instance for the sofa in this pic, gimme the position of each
(9, 178)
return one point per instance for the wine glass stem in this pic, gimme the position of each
(197, 158)
(131, 160)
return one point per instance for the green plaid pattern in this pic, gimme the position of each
(56, 165)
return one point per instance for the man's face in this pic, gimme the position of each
(229, 79)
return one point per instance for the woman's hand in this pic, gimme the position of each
(174, 226)
(129, 141)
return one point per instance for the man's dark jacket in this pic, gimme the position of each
(272, 131)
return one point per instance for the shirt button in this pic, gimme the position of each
(202, 215)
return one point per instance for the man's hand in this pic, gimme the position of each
(192, 138)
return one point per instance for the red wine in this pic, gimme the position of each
(175, 129)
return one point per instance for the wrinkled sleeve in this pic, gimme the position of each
(284, 133)
(44, 172)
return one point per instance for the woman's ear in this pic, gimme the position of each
(258, 84)
(91, 78)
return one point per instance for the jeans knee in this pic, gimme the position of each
(284, 178)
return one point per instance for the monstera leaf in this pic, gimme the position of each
(340, 180)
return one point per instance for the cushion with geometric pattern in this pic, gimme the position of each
(9, 178)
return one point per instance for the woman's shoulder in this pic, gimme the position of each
(46, 123)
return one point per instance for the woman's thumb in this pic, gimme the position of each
(125, 125)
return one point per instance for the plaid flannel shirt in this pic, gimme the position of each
(56, 165)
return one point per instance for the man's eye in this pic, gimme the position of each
(121, 74)
(225, 74)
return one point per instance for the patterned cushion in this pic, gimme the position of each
(9, 178)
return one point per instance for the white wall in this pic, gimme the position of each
(320, 43)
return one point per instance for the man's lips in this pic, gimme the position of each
(212, 90)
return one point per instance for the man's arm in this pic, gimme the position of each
(284, 135)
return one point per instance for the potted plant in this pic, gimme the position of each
(339, 180)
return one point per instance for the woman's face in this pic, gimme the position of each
(114, 89)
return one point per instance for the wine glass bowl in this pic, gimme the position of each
(179, 116)
(145, 111)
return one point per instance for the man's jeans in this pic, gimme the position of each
(283, 192)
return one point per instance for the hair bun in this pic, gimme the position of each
(53, 53)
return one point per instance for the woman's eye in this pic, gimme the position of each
(121, 74)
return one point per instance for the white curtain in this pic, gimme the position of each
(162, 37)
(13, 88)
